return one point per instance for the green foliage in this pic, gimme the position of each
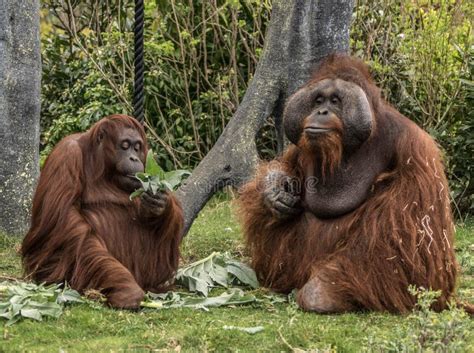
(172, 300)
(199, 57)
(155, 179)
(31, 301)
(75, 89)
(428, 331)
(216, 270)
(422, 54)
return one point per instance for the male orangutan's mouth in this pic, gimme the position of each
(313, 131)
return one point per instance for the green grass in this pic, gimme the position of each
(85, 328)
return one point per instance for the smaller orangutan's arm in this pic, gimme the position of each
(97, 269)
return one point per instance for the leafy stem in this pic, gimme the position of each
(155, 179)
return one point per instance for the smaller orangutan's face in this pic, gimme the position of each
(327, 109)
(129, 158)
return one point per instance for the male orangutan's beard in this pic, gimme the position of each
(326, 151)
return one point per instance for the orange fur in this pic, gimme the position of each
(328, 152)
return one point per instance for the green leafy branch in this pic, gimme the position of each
(169, 300)
(155, 179)
(216, 270)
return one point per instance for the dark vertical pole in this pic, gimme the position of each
(138, 87)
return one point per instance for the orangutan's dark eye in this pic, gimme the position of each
(319, 99)
(138, 146)
(335, 100)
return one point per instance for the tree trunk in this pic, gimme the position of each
(20, 76)
(301, 33)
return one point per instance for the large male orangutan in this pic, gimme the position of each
(84, 228)
(357, 209)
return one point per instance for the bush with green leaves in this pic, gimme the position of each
(199, 57)
(425, 330)
(422, 55)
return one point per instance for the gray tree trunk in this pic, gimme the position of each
(301, 33)
(20, 76)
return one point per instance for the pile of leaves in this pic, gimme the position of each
(215, 271)
(34, 301)
(20, 300)
(170, 300)
(155, 179)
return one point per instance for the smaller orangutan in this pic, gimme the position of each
(85, 230)
(357, 208)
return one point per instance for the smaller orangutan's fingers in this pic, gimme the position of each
(160, 204)
(157, 199)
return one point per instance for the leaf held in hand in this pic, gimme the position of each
(155, 179)
(136, 193)
(175, 177)
(152, 168)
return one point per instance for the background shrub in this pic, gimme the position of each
(421, 53)
(200, 56)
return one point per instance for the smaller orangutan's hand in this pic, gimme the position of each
(155, 204)
(281, 194)
(126, 298)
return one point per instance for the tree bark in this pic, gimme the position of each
(20, 76)
(301, 33)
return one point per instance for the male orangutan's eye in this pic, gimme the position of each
(335, 100)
